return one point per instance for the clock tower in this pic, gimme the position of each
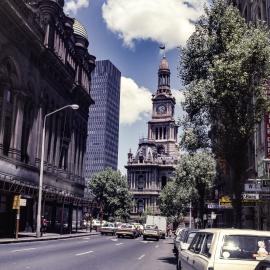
(157, 156)
(162, 127)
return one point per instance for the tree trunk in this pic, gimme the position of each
(239, 174)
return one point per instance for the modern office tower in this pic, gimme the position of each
(103, 122)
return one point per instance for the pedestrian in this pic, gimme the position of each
(44, 224)
(169, 230)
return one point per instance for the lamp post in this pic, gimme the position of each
(74, 107)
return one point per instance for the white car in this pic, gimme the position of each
(225, 249)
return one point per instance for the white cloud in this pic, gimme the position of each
(179, 96)
(135, 101)
(164, 21)
(72, 6)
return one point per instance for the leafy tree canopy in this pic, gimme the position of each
(111, 194)
(225, 68)
(192, 181)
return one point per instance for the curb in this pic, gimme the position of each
(9, 241)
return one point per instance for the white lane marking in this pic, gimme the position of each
(115, 240)
(84, 241)
(24, 249)
(87, 252)
(86, 238)
(145, 242)
(119, 244)
(141, 257)
(156, 246)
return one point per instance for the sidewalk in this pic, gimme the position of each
(30, 237)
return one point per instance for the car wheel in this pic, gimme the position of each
(157, 239)
(144, 238)
(118, 236)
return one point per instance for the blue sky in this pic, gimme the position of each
(128, 33)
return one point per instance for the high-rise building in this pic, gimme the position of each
(103, 122)
(157, 156)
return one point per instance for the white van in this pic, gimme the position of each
(225, 249)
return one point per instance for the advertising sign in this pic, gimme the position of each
(16, 202)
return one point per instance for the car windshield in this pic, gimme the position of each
(151, 227)
(245, 247)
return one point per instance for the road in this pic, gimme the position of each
(89, 253)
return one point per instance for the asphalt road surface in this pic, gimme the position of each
(89, 253)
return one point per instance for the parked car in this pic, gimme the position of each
(176, 239)
(223, 249)
(139, 228)
(108, 228)
(186, 237)
(96, 224)
(151, 231)
(127, 230)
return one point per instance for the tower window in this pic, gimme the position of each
(163, 181)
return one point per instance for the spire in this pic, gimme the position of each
(164, 74)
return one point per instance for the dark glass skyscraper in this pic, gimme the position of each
(103, 122)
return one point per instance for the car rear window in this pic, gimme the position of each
(245, 247)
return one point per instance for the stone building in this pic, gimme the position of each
(44, 65)
(157, 156)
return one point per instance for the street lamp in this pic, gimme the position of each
(74, 107)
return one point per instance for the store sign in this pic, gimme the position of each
(258, 186)
(250, 196)
(22, 202)
(16, 202)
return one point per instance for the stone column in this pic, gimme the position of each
(17, 135)
(51, 154)
(39, 126)
(58, 141)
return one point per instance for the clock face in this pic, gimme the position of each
(161, 109)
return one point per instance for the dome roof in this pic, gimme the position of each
(164, 63)
(79, 29)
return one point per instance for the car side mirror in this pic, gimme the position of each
(184, 246)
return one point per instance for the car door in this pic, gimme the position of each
(186, 256)
(202, 257)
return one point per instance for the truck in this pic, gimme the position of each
(159, 221)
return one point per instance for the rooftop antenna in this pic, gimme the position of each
(162, 47)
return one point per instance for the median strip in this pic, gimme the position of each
(87, 252)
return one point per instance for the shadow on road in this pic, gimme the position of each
(170, 260)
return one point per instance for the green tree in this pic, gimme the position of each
(111, 194)
(192, 182)
(225, 67)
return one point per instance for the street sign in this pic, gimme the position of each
(250, 196)
(16, 202)
(22, 202)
